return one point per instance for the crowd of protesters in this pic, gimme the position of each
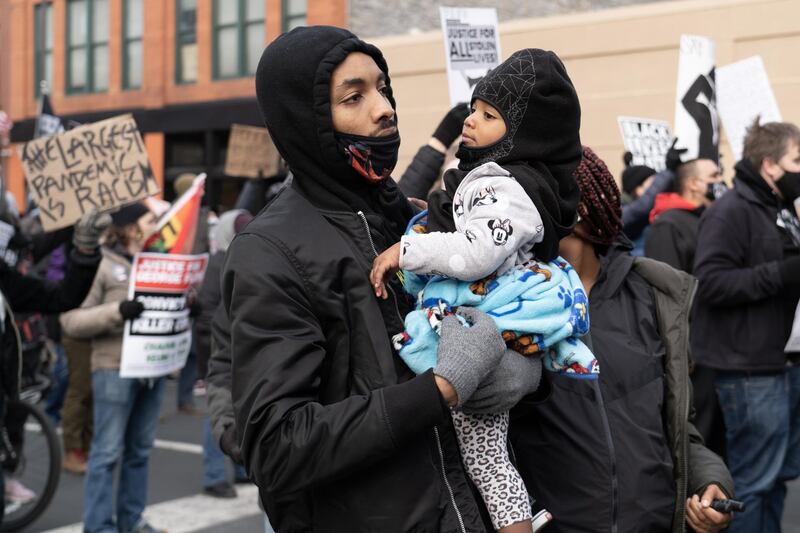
(352, 333)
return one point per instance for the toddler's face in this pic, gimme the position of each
(484, 126)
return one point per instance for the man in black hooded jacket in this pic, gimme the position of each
(336, 431)
(748, 268)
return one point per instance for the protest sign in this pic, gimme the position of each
(744, 93)
(471, 46)
(696, 122)
(7, 254)
(646, 139)
(101, 165)
(251, 153)
(158, 341)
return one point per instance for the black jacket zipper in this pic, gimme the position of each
(435, 429)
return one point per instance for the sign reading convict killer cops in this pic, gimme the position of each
(646, 139)
(696, 121)
(471, 46)
(158, 341)
(100, 165)
(251, 153)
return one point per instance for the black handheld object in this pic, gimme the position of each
(727, 506)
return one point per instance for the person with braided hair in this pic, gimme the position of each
(635, 462)
(490, 241)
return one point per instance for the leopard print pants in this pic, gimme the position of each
(482, 440)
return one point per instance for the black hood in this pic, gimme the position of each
(541, 147)
(293, 91)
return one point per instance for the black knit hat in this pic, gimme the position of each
(535, 96)
(635, 175)
(129, 214)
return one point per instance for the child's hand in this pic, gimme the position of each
(385, 264)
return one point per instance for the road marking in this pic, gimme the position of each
(171, 445)
(177, 446)
(194, 513)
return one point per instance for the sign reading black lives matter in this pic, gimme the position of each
(646, 139)
(472, 48)
(102, 165)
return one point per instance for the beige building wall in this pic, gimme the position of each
(623, 61)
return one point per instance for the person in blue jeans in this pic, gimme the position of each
(125, 410)
(748, 266)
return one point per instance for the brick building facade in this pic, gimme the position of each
(184, 68)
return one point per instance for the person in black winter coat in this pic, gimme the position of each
(636, 464)
(672, 238)
(23, 293)
(329, 419)
(748, 267)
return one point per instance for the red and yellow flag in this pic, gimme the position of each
(177, 228)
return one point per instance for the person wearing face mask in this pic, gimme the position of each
(748, 267)
(335, 429)
(676, 215)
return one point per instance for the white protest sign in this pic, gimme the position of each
(471, 47)
(646, 139)
(696, 121)
(794, 339)
(158, 341)
(8, 255)
(744, 93)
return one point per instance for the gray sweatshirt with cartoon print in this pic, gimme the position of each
(497, 226)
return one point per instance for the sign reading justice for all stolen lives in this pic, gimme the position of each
(101, 165)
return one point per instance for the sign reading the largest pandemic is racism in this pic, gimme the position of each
(101, 165)
(472, 48)
(158, 341)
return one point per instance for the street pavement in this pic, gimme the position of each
(176, 502)
(175, 499)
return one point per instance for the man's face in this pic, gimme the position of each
(790, 162)
(706, 172)
(359, 105)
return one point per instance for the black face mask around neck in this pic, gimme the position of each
(789, 186)
(373, 158)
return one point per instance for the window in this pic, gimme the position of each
(87, 46)
(132, 44)
(238, 37)
(185, 41)
(294, 14)
(43, 37)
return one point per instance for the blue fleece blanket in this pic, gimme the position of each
(541, 308)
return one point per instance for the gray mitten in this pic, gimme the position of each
(467, 355)
(515, 377)
(89, 229)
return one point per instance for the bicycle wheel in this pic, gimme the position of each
(38, 468)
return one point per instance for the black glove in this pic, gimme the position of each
(451, 125)
(89, 229)
(130, 309)
(195, 309)
(229, 445)
(790, 271)
(673, 158)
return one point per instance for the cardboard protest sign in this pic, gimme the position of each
(696, 122)
(647, 139)
(744, 93)
(101, 165)
(251, 153)
(158, 342)
(471, 47)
